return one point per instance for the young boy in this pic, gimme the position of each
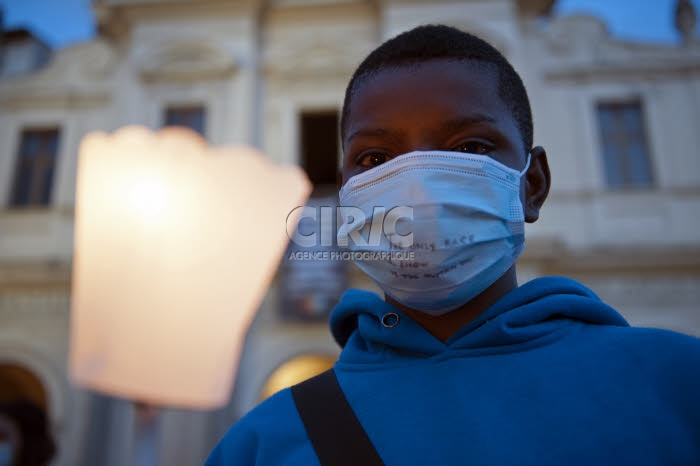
(458, 365)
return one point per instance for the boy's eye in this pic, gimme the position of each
(373, 159)
(474, 147)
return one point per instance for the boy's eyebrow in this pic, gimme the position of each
(473, 119)
(450, 125)
(373, 132)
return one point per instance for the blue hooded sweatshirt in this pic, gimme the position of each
(548, 375)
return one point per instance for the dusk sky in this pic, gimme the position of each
(62, 22)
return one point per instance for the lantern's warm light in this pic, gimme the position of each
(148, 196)
(175, 245)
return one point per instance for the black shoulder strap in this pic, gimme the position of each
(335, 433)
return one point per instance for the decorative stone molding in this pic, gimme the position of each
(53, 99)
(96, 59)
(308, 55)
(556, 258)
(309, 3)
(76, 77)
(111, 21)
(51, 280)
(89, 61)
(184, 59)
(622, 72)
(573, 32)
(535, 7)
(685, 20)
(35, 300)
(582, 49)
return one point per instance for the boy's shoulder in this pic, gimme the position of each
(272, 433)
(646, 338)
(671, 356)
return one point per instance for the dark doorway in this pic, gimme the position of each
(309, 289)
(319, 150)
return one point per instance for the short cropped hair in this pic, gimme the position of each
(432, 42)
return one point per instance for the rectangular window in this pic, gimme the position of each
(34, 172)
(319, 150)
(624, 145)
(192, 117)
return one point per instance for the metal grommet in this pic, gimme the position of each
(390, 320)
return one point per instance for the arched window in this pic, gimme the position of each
(18, 383)
(296, 370)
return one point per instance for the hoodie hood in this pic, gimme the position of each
(548, 375)
(531, 311)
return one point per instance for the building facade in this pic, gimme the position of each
(619, 121)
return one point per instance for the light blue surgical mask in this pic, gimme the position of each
(466, 230)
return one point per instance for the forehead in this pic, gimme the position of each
(424, 92)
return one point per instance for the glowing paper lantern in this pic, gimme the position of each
(175, 245)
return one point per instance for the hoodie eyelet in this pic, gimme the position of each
(390, 320)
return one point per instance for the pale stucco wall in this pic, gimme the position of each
(256, 68)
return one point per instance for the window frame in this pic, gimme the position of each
(625, 166)
(183, 108)
(20, 155)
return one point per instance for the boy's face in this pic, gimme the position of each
(435, 105)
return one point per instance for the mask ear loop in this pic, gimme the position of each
(527, 165)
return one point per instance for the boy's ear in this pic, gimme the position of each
(537, 183)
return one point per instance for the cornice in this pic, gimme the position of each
(552, 254)
(64, 99)
(186, 59)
